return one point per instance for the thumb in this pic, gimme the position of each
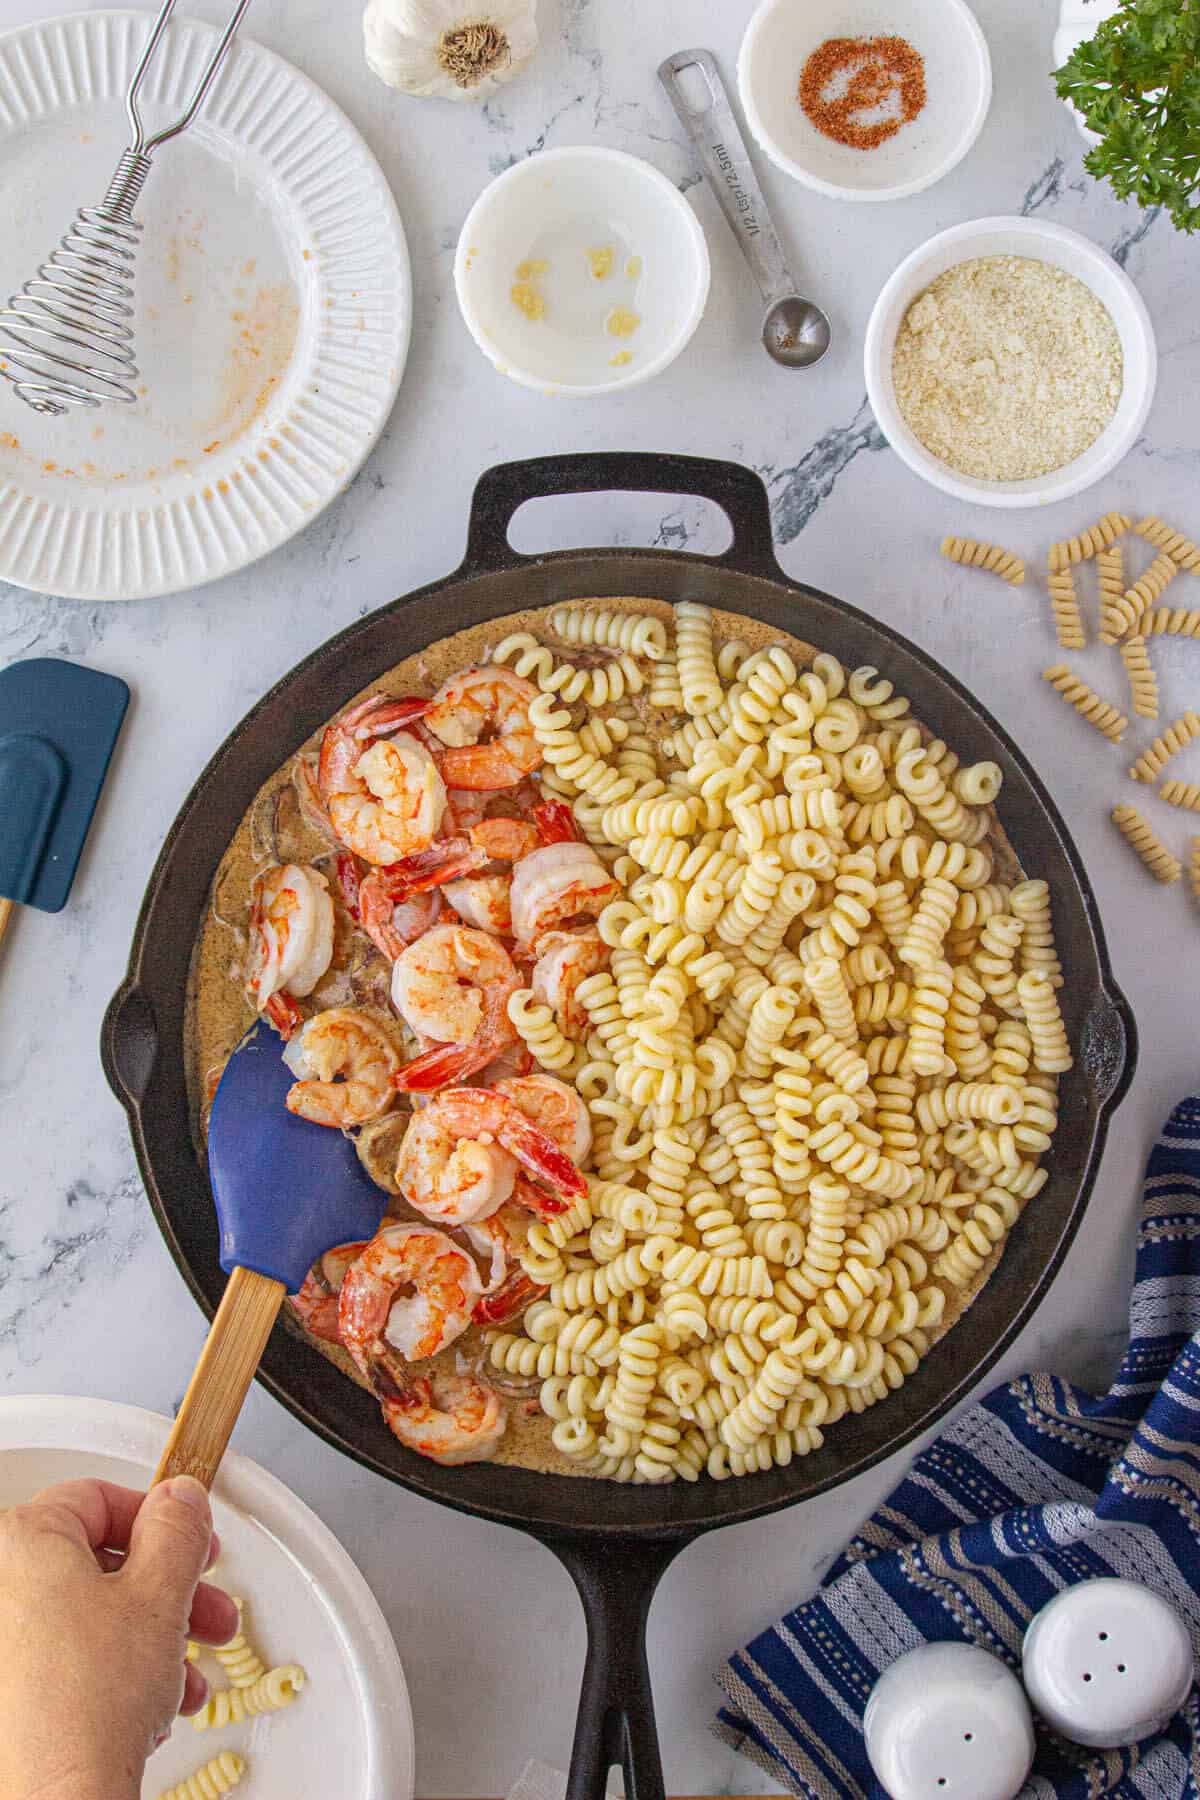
(169, 1544)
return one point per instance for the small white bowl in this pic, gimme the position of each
(552, 209)
(782, 36)
(1047, 243)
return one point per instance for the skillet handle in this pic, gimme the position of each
(616, 1727)
(1110, 1046)
(738, 491)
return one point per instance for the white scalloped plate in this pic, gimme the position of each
(274, 304)
(349, 1736)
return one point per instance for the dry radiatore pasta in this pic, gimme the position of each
(992, 557)
(1151, 762)
(1143, 683)
(1180, 549)
(1181, 793)
(1110, 579)
(1141, 836)
(1169, 621)
(1089, 543)
(1064, 604)
(1098, 713)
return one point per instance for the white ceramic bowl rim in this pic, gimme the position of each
(666, 189)
(1134, 326)
(900, 190)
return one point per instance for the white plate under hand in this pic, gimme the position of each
(349, 1735)
(273, 309)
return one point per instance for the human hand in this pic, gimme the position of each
(99, 1591)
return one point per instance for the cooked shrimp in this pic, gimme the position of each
(483, 901)
(411, 1291)
(346, 1064)
(291, 925)
(317, 1302)
(500, 1240)
(464, 809)
(505, 840)
(453, 985)
(483, 715)
(384, 796)
(451, 1419)
(566, 958)
(555, 1108)
(451, 1179)
(435, 1175)
(555, 885)
(391, 924)
(555, 822)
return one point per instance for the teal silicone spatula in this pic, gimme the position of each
(59, 724)
(286, 1191)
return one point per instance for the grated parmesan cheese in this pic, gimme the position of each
(1007, 367)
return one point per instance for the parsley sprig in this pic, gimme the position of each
(1137, 83)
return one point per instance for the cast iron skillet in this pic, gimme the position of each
(616, 1541)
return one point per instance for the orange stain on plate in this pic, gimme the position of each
(8, 441)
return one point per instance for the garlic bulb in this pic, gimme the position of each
(453, 49)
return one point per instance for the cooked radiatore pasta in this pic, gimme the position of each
(270, 1693)
(807, 1060)
(992, 557)
(1098, 713)
(1143, 683)
(539, 1031)
(220, 1776)
(1097, 537)
(1181, 793)
(638, 633)
(1180, 549)
(1064, 605)
(1140, 835)
(240, 1660)
(1151, 763)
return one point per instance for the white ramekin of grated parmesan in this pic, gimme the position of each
(1010, 362)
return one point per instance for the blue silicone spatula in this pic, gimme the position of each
(286, 1191)
(59, 724)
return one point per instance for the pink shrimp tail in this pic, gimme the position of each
(284, 1015)
(545, 1161)
(424, 869)
(555, 822)
(350, 882)
(444, 1064)
(506, 1301)
(345, 740)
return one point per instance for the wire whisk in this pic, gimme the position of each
(67, 339)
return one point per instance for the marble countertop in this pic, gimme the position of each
(486, 1621)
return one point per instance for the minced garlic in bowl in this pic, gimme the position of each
(1007, 367)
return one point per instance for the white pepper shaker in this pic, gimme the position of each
(1107, 1662)
(949, 1722)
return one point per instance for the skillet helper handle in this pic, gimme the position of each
(616, 1727)
(738, 491)
(236, 1340)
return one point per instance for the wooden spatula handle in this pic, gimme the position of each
(7, 908)
(236, 1339)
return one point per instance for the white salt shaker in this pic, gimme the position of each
(1107, 1662)
(949, 1720)
(1077, 21)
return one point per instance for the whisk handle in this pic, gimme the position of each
(146, 146)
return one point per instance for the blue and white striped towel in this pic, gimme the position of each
(1039, 1486)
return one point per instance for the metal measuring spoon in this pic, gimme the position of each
(795, 331)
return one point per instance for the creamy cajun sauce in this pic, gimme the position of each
(274, 830)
